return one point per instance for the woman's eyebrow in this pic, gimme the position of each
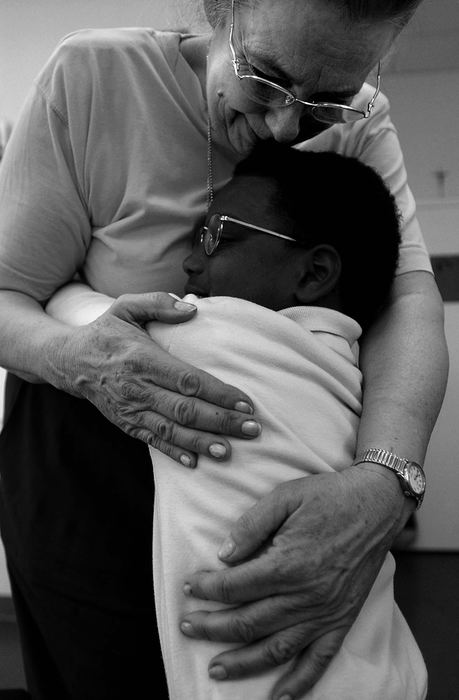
(266, 63)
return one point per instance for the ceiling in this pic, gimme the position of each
(431, 40)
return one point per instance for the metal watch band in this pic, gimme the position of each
(384, 457)
(396, 464)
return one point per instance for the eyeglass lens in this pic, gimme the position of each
(269, 96)
(211, 234)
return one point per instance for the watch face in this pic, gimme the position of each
(417, 479)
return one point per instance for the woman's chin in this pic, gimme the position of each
(240, 137)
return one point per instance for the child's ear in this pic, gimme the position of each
(321, 273)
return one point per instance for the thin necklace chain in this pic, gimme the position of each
(210, 165)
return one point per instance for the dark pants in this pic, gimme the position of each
(76, 501)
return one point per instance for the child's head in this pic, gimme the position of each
(339, 216)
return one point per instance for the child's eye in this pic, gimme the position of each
(223, 243)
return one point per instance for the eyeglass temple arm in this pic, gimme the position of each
(256, 228)
(371, 103)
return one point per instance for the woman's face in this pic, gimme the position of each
(304, 45)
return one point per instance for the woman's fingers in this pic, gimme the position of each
(311, 658)
(273, 651)
(159, 417)
(309, 666)
(257, 579)
(254, 621)
(178, 442)
(140, 309)
(254, 528)
(188, 411)
(152, 395)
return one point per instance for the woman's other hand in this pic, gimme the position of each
(324, 539)
(146, 392)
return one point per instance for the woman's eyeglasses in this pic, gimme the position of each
(211, 234)
(270, 94)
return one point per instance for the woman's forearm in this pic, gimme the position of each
(404, 362)
(30, 339)
(405, 366)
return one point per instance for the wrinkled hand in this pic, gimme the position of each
(324, 539)
(146, 392)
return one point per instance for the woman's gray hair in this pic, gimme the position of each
(398, 11)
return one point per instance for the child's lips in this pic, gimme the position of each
(191, 289)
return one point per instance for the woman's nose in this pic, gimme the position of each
(284, 122)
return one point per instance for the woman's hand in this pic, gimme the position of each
(323, 539)
(146, 392)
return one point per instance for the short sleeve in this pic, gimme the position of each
(44, 225)
(377, 144)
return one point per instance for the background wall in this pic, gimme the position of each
(422, 82)
(30, 29)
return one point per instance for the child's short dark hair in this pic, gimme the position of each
(336, 200)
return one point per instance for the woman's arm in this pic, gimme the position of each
(113, 363)
(327, 536)
(404, 360)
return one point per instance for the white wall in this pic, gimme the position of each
(425, 110)
(438, 518)
(30, 29)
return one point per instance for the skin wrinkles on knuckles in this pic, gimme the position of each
(188, 383)
(164, 429)
(121, 378)
(185, 411)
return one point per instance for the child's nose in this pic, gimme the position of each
(193, 262)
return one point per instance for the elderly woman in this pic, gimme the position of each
(124, 138)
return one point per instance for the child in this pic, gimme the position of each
(296, 251)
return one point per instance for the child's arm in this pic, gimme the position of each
(77, 304)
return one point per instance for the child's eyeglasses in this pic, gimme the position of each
(212, 233)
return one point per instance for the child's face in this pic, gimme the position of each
(247, 264)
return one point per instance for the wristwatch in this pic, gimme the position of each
(410, 474)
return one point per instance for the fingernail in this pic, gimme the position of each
(217, 450)
(187, 590)
(187, 628)
(218, 673)
(286, 697)
(243, 407)
(183, 306)
(186, 461)
(227, 549)
(250, 427)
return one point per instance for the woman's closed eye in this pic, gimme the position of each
(257, 72)
(340, 99)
